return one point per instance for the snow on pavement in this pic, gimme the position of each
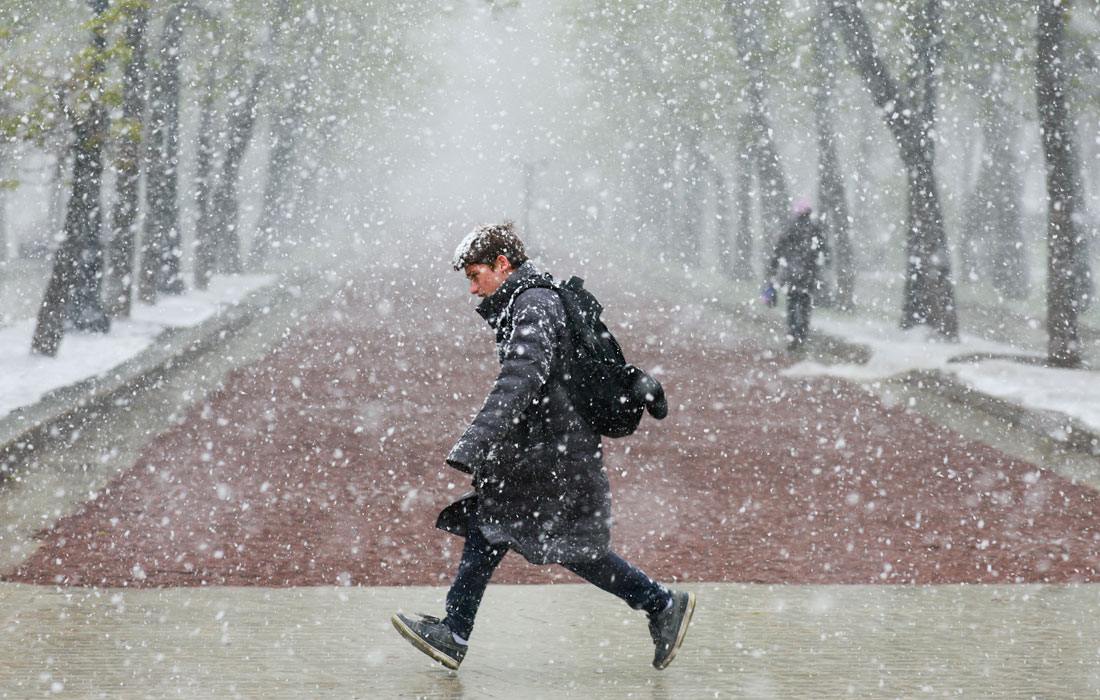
(895, 352)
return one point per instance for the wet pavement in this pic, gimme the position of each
(746, 641)
(246, 528)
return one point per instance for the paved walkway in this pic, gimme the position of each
(246, 528)
(747, 641)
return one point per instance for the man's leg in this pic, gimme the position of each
(798, 316)
(804, 318)
(445, 640)
(669, 611)
(479, 560)
(619, 577)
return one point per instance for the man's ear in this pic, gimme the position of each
(502, 263)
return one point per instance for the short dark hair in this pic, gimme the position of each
(486, 242)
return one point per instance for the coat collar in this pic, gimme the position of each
(493, 306)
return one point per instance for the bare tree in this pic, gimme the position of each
(723, 222)
(743, 201)
(775, 197)
(3, 209)
(993, 238)
(160, 249)
(910, 115)
(72, 292)
(224, 203)
(1064, 243)
(205, 184)
(833, 200)
(693, 191)
(287, 130)
(120, 258)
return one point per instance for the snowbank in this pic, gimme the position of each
(29, 377)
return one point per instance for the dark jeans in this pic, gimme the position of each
(610, 572)
(799, 305)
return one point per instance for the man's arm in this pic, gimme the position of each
(539, 318)
(780, 252)
(823, 244)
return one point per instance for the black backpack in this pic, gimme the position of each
(609, 393)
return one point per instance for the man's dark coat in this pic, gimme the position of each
(799, 254)
(539, 480)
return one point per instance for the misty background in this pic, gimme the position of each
(148, 146)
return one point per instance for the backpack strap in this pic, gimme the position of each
(543, 281)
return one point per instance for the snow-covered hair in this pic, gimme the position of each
(486, 242)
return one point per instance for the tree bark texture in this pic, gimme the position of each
(3, 212)
(929, 296)
(1063, 241)
(723, 222)
(743, 203)
(694, 197)
(205, 184)
(120, 259)
(72, 293)
(225, 204)
(771, 183)
(832, 198)
(286, 130)
(160, 250)
(994, 239)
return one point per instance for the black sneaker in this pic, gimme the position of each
(669, 627)
(431, 636)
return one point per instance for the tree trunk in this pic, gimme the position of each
(743, 203)
(972, 215)
(120, 260)
(205, 185)
(929, 296)
(771, 180)
(994, 226)
(55, 210)
(861, 209)
(3, 211)
(72, 292)
(286, 133)
(833, 200)
(160, 250)
(1063, 242)
(225, 204)
(694, 201)
(723, 224)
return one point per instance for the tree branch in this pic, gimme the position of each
(857, 35)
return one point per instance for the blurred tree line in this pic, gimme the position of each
(102, 87)
(919, 126)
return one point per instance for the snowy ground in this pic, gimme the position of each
(895, 352)
(29, 377)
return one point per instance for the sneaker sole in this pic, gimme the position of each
(417, 641)
(680, 633)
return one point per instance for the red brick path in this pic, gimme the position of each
(322, 464)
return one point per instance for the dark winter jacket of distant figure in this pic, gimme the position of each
(540, 484)
(799, 254)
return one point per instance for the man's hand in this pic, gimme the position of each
(768, 294)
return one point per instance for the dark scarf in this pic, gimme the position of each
(496, 308)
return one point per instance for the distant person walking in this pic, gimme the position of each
(799, 255)
(539, 483)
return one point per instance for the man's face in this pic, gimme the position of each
(486, 279)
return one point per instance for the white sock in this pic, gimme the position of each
(460, 640)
